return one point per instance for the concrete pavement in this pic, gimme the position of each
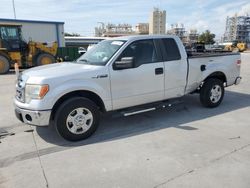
(184, 146)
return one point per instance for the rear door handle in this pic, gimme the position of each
(159, 70)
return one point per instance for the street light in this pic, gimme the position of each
(14, 9)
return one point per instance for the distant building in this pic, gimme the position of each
(178, 30)
(100, 30)
(82, 41)
(114, 30)
(237, 29)
(192, 36)
(157, 22)
(142, 28)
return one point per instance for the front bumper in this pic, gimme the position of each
(38, 118)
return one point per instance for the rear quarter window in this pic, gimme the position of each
(170, 50)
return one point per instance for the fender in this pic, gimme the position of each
(214, 69)
(79, 85)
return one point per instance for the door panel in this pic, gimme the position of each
(136, 86)
(175, 69)
(144, 83)
(175, 78)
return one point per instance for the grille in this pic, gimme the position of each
(20, 89)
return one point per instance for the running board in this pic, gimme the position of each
(149, 107)
(138, 112)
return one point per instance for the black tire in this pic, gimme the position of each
(67, 110)
(44, 59)
(207, 98)
(4, 65)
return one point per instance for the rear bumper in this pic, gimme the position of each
(38, 118)
(237, 80)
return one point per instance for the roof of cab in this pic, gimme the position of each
(10, 24)
(141, 37)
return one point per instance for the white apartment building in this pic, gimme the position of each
(157, 22)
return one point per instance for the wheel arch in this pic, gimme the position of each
(79, 93)
(218, 75)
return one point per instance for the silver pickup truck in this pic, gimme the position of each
(120, 74)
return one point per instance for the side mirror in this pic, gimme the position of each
(81, 50)
(125, 63)
(66, 58)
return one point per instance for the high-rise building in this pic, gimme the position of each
(157, 22)
(237, 29)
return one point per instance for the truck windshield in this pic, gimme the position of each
(101, 53)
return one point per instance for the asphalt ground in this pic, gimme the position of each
(186, 145)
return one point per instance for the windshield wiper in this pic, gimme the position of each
(84, 60)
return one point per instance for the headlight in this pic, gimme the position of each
(35, 92)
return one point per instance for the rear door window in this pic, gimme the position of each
(170, 50)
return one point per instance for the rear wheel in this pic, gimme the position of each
(4, 65)
(45, 59)
(77, 119)
(212, 93)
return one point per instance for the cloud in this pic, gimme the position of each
(245, 10)
(81, 16)
(212, 16)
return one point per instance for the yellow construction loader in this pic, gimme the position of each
(235, 46)
(13, 49)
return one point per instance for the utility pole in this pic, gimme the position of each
(14, 9)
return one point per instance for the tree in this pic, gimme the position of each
(207, 37)
(71, 34)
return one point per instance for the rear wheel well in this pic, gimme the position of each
(218, 75)
(80, 93)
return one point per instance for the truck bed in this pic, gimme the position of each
(210, 54)
(224, 62)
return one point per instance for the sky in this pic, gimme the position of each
(81, 16)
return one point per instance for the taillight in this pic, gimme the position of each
(238, 62)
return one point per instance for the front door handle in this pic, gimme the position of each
(159, 70)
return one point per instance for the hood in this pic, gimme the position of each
(63, 71)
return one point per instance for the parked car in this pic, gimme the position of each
(131, 74)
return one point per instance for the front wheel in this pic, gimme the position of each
(212, 93)
(45, 59)
(77, 119)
